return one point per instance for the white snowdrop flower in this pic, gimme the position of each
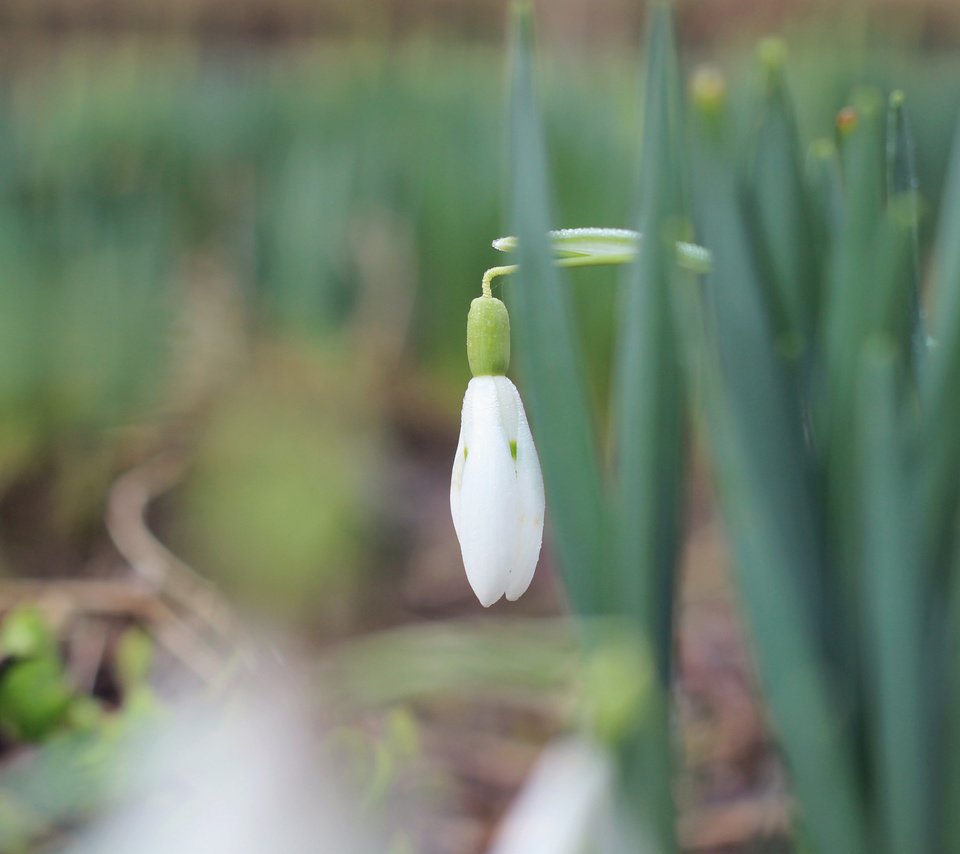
(568, 805)
(496, 492)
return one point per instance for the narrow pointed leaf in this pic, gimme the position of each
(589, 242)
(648, 392)
(779, 206)
(940, 465)
(825, 185)
(649, 417)
(944, 692)
(894, 605)
(852, 312)
(764, 477)
(547, 349)
(903, 188)
(586, 247)
(850, 280)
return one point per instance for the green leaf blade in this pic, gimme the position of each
(893, 607)
(903, 188)
(648, 390)
(939, 489)
(765, 477)
(547, 350)
(779, 205)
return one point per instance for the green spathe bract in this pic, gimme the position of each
(488, 337)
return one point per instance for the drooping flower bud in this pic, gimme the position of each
(496, 491)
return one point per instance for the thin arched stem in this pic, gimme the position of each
(492, 273)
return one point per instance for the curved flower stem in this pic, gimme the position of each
(492, 273)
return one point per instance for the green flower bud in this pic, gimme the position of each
(488, 337)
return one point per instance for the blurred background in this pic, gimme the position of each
(238, 241)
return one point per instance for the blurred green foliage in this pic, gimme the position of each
(134, 183)
(826, 408)
(278, 504)
(120, 167)
(78, 738)
(832, 424)
(37, 699)
(147, 197)
(34, 693)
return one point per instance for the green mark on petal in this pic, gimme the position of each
(465, 451)
(513, 450)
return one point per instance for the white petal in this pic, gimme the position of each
(566, 806)
(489, 495)
(508, 399)
(530, 518)
(456, 479)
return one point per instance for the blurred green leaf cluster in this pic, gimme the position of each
(279, 505)
(35, 696)
(37, 699)
(826, 404)
(76, 739)
(131, 182)
(163, 212)
(831, 416)
(115, 166)
(135, 178)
